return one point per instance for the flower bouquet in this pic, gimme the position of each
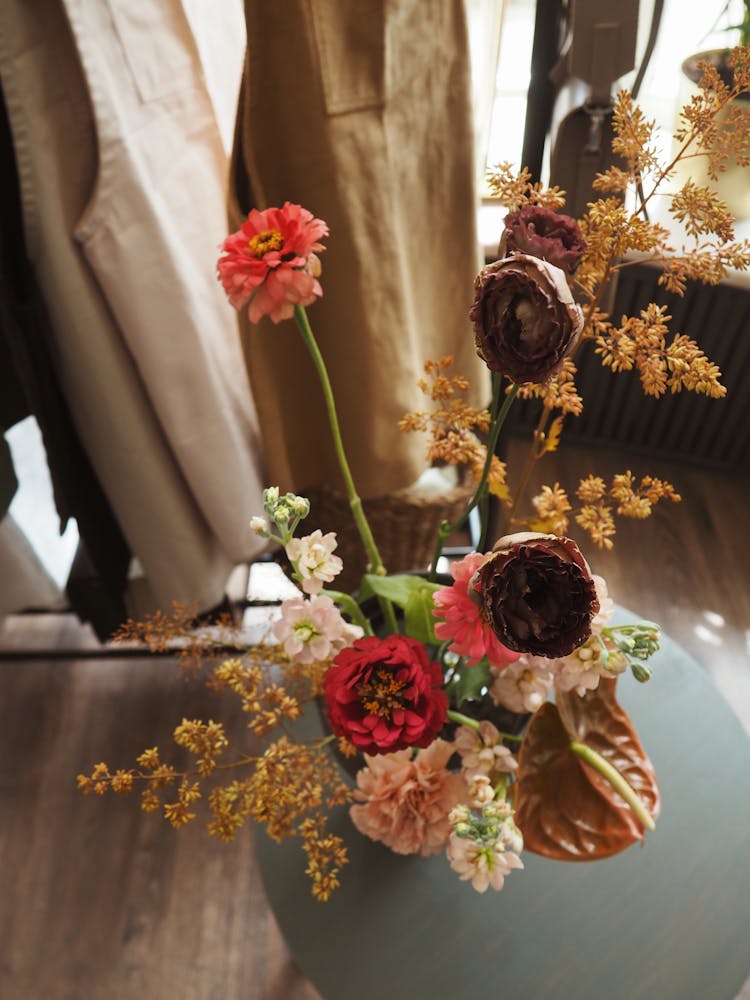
(437, 690)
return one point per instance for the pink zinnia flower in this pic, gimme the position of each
(463, 621)
(271, 262)
(406, 803)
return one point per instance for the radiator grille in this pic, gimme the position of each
(684, 426)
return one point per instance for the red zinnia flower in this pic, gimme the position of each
(464, 622)
(271, 262)
(386, 694)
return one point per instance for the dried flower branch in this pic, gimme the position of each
(515, 190)
(452, 426)
(290, 784)
(640, 342)
(599, 504)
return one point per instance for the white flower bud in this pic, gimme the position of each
(459, 814)
(259, 526)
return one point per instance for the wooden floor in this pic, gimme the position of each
(102, 902)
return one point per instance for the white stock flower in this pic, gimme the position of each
(606, 605)
(313, 559)
(482, 751)
(480, 790)
(522, 686)
(312, 629)
(485, 864)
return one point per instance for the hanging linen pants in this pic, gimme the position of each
(360, 111)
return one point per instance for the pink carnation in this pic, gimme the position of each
(406, 802)
(270, 262)
(463, 621)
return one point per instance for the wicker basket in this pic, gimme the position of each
(404, 525)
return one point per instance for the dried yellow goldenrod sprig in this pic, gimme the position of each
(714, 126)
(289, 783)
(452, 427)
(717, 136)
(266, 702)
(326, 856)
(515, 189)
(599, 503)
(640, 342)
(193, 644)
(291, 787)
(559, 393)
(207, 740)
(290, 780)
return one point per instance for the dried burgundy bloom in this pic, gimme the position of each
(386, 694)
(545, 234)
(525, 319)
(538, 594)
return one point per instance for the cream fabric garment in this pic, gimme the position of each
(360, 111)
(123, 186)
(24, 581)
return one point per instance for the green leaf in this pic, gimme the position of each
(467, 683)
(398, 588)
(419, 622)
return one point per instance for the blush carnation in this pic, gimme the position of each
(463, 622)
(405, 802)
(270, 262)
(385, 694)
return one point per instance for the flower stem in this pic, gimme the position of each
(347, 603)
(465, 720)
(447, 529)
(355, 503)
(616, 780)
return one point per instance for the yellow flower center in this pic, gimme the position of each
(381, 694)
(305, 631)
(263, 243)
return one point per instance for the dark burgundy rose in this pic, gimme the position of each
(545, 234)
(386, 694)
(537, 594)
(525, 319)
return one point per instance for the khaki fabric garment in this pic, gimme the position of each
(123, 179)
(360, 111)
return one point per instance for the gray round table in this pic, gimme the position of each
(669, 920)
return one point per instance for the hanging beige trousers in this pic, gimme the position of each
(360, 111)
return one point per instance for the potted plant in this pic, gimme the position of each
(729, 178)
